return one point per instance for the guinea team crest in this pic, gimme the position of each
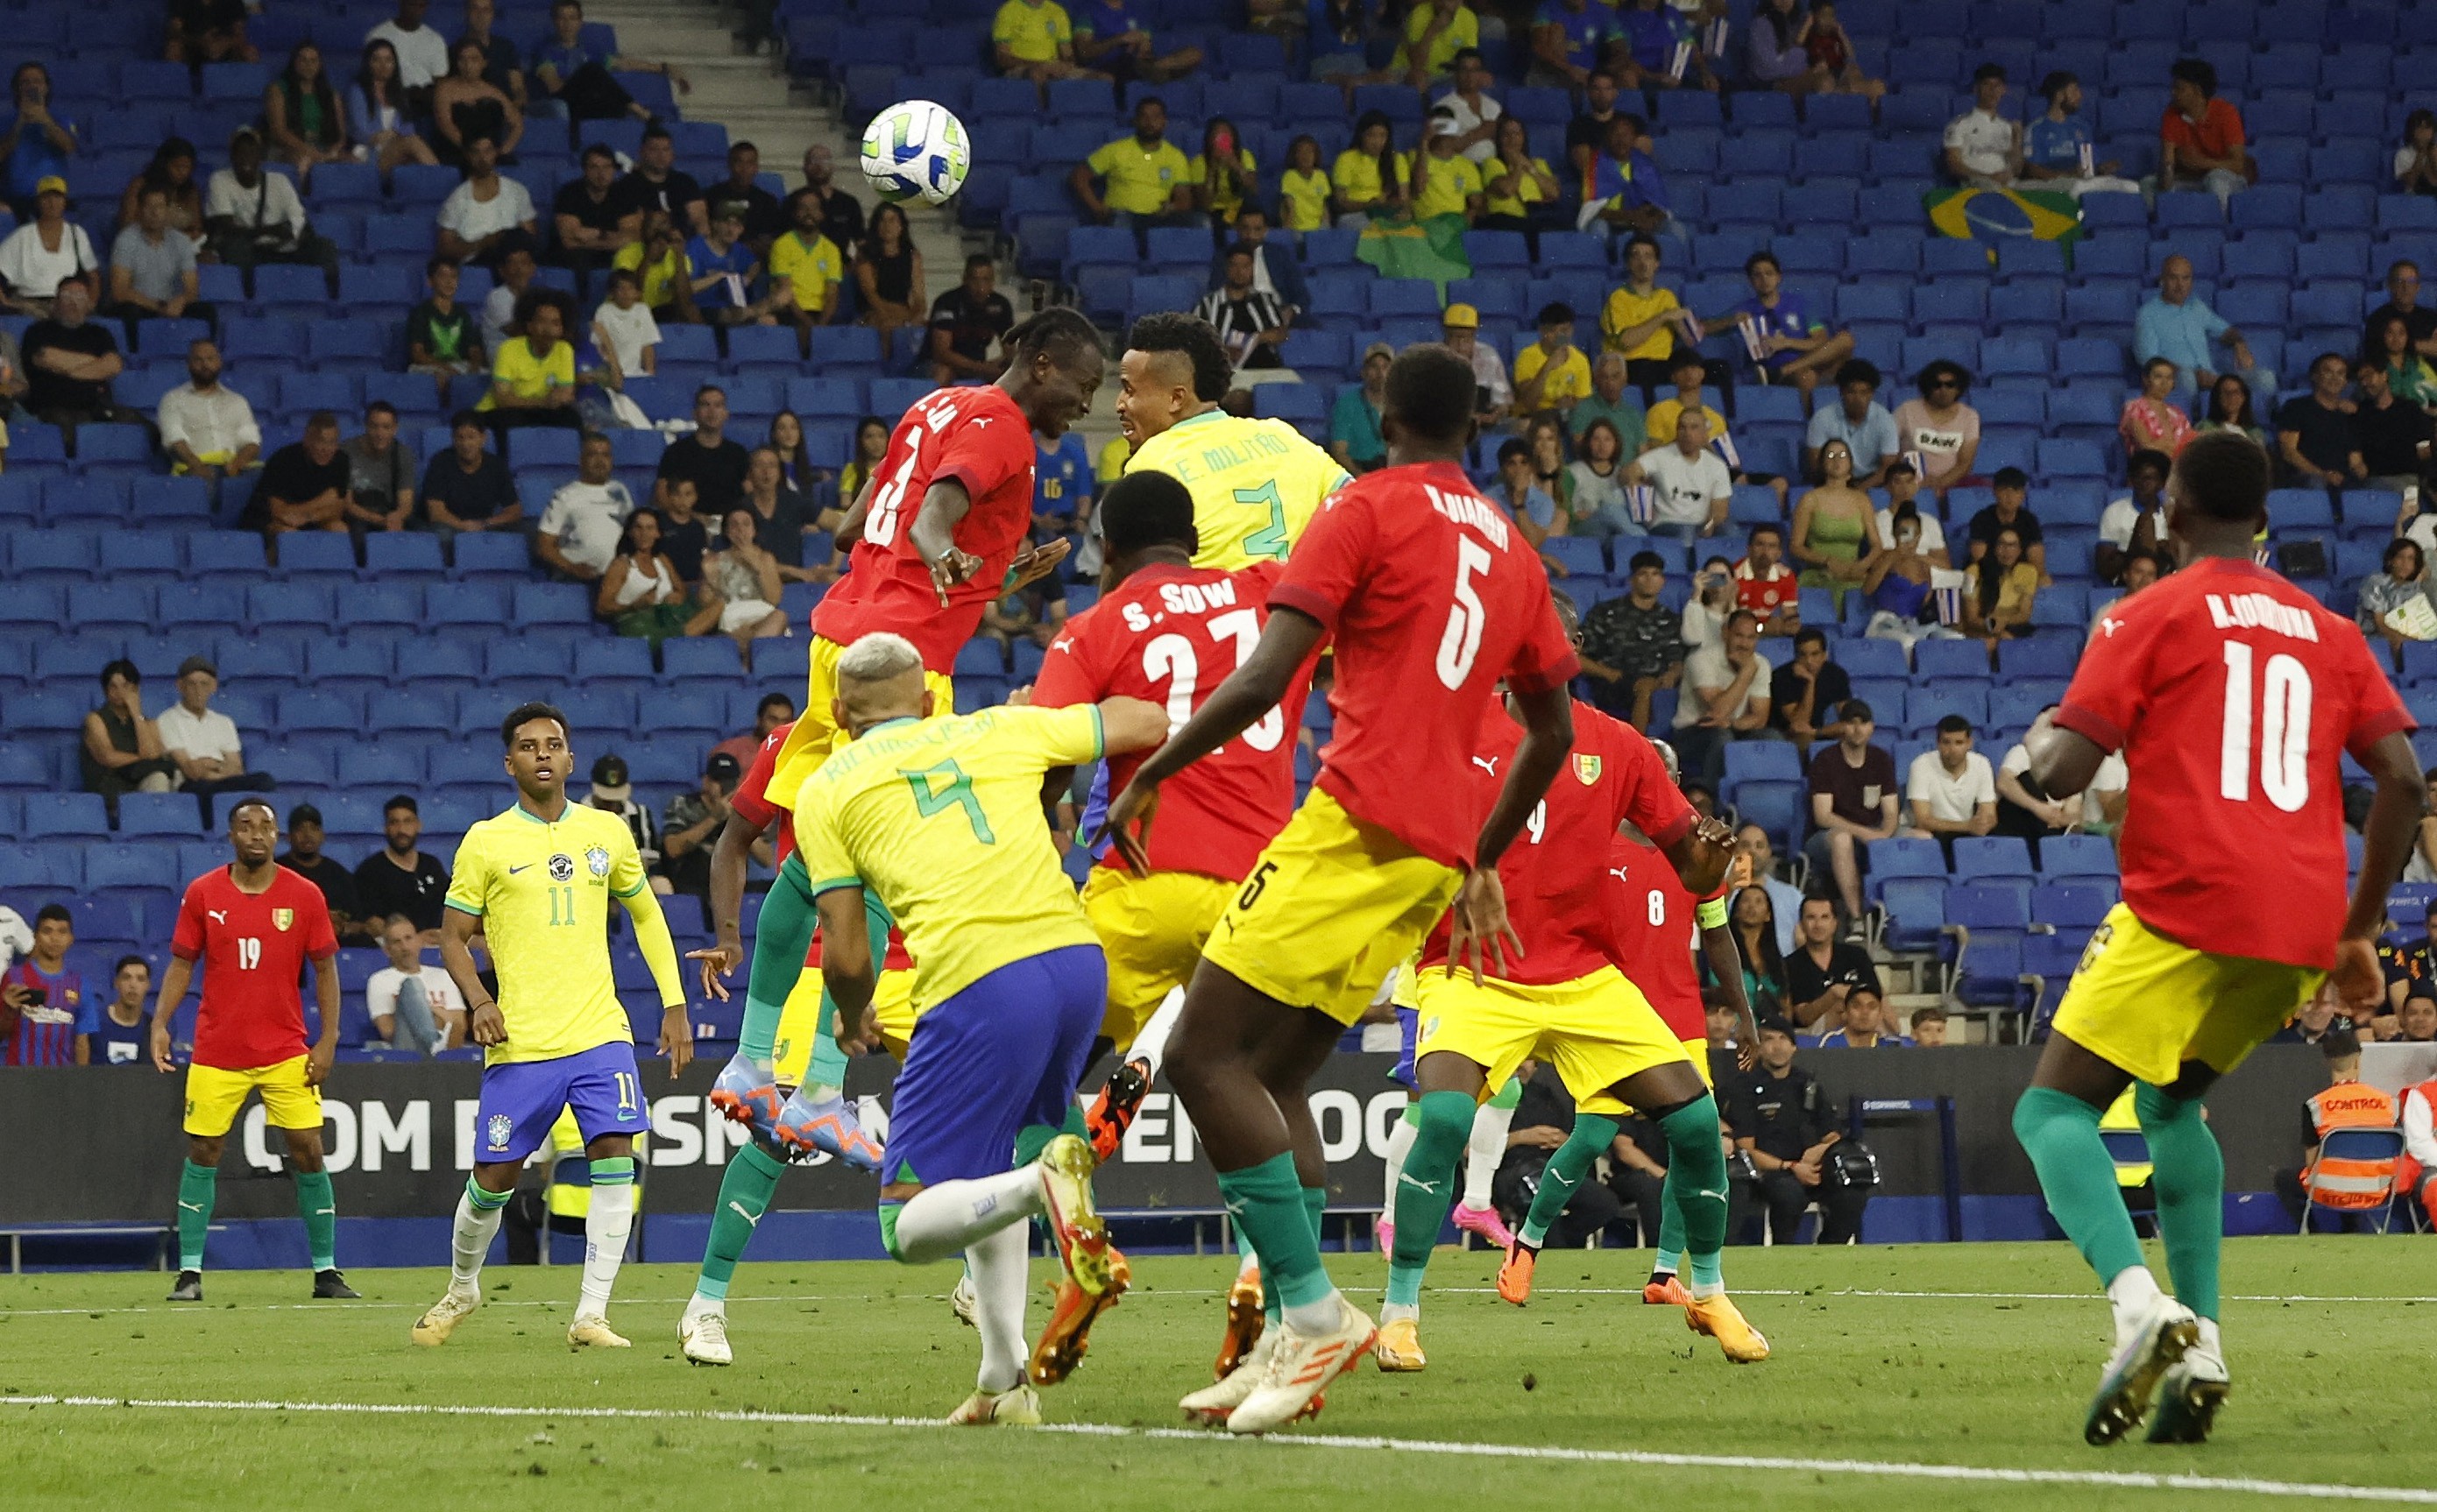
(596, 861)
(502, 1128)
(561, 868)
(282, 918)
(1587, 768)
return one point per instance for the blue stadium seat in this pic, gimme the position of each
(2076, 856)
(172, 814)
(1951, 658)
(492, 555)
(119, 449)
(698, 659)
(64, 816)
(394, 554)
(317, 555)
(1992, 856)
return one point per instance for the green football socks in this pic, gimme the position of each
(319, 1207)
(1696, 1188)
(2059, 1132)
(783, 936)
(198, 1189)
(1426, 1190)
(2190, 1181)
(1268, 1203)
(744, 1193)
(1593, 1133)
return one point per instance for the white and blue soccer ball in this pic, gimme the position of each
(916, 151)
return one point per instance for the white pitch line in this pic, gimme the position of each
(1142, 1292)
(1900, 1469)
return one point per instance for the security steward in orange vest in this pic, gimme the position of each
(2356, 1187)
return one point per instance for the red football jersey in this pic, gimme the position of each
(2232, 693)
(1433, 596)
(1557, 892)
(976, 437)
(1655, 934)
(1765, 596)
(1170, 634)
(254, 947)
(752, 795)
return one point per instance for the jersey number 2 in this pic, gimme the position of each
(1461, 641)
(2284, 727)
(1270, 540)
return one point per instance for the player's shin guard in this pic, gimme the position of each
(2059, 1132)
(782, 938)
(1425, 1190)
(607, 1222)
(198, 1189)
(1593, 1134)
(478, 1223)
(2190, 1180)
(941, 1220)
(1486, 1144)
(1268, 1203)
(999, 1262)
(744, 1193)
(1696, 1178)
(316, 1205)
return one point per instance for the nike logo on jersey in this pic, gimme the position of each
(1488, 764)
(216, 915)
(526, 867)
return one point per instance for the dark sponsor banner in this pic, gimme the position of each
(97, 1143)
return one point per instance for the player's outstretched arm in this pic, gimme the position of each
(728, 857)
(1252, 690)
(483, 1023)
(2386, 843)
(174, 981)
(661, 954)
(945, 504)
(847, 966)
(1130, 724)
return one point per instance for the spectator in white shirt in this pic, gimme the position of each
(1903, 487)
(1983, 148)
(2119, 524)
(1470, 107)
(203, 742)
(206, 426)
(1951, 790)
(1692, 485)
(484, 210)
(413, 1008)
(47, 251)
(623, 327)
(253, 215)
(579, 530)
(422, 52)
(1725, 697)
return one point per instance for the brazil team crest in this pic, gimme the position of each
(501, 1129)
(1587, 768)
(562, 869)
(282, 918)
(596, 861)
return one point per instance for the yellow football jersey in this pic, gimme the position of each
(943, 819)
(1255, 484)
(542, 892)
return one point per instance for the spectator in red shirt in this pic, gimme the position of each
(2201, 139)
(1766, 586)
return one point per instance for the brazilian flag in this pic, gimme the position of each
(1431, 249)
(1988, 215)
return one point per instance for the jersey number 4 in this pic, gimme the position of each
(939, 789)
(2283, 719)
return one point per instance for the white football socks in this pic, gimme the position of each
(1151, 1044)
(469, 1240)
(999, 1261)
(1483, 1150)
(606, 1223)
(939, 1221)
(1400, 1148)
(2134, 1291)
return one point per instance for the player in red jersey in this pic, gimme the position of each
(1432, 596)
(1564, 1002)
(2233, 695)
(253, 924)
(1656, 923)
(940, 534)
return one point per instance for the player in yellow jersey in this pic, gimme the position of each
(943, 819)
(537, 880)
(1256, 483)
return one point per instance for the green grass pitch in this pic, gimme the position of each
(259, 1398)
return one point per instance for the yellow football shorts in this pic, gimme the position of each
(817, 735)
(2140, 1002)
(1697, 1051)
(215, 1093)
(1595, 1030)
(799, 1021)
(1332, 904)
(1153, 930)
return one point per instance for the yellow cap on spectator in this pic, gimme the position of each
(50, 183)
(1461, 318)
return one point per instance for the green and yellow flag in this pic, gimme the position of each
(1431, 249)
(1988, 215)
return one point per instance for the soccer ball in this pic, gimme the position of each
(916, 149)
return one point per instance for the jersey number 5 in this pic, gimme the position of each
(1461, 641)
(2284, 724)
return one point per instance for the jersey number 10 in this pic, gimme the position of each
(2283, 723)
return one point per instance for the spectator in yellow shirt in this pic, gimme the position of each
(1033, 39)
(1304, 188)
(1641, 320)
(1434, 33)
(533, 376)
(1370, 175)
(1147, 178)
(805, 270)
(658, 259)
(1519, 191)
(1688, 372)
(1445, 181)
(1224, 173)
(1551, 373)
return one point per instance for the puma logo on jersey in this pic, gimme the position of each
(1618, 872)
(2110, 625)
(1488, 764)
(216, 915)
